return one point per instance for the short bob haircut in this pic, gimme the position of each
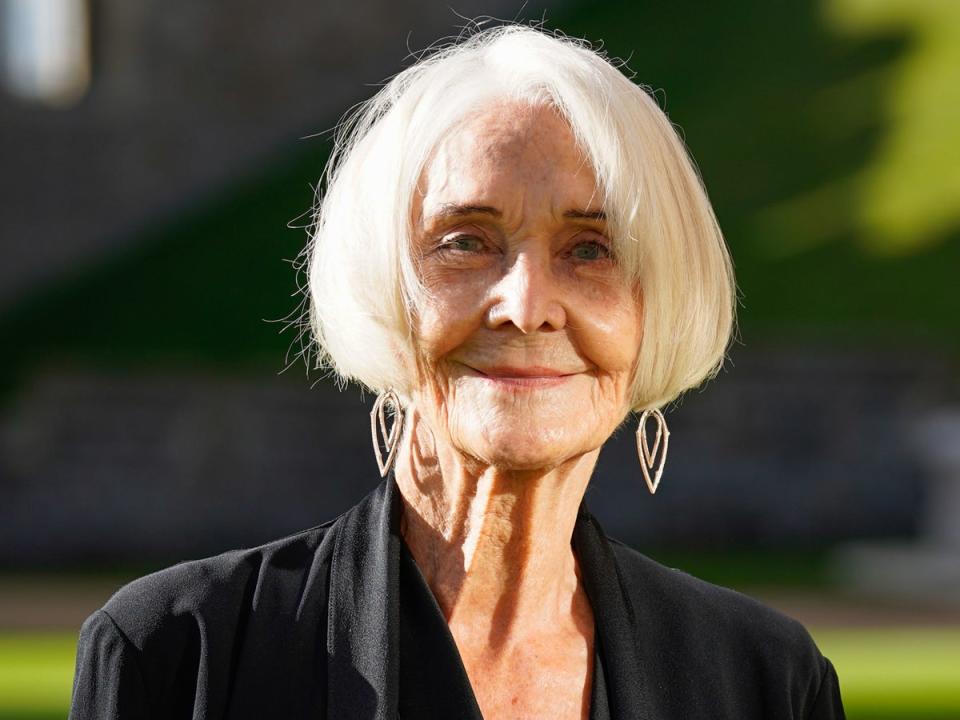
(364, 289)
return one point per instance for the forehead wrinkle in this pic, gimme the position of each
(491, 151)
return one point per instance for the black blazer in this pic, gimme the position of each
(307, 627)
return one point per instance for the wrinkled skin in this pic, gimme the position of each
(527, 344)
(534, 289)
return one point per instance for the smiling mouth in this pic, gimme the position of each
(520, 377)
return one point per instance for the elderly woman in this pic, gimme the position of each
(515, 252)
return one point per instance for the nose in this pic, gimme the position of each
(528, 296)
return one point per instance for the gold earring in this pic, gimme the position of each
(649, 462)
(391, 436)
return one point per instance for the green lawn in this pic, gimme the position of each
(896, 672)
(36, 672)
(885, 673)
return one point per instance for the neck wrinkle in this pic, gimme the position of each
(494, 546)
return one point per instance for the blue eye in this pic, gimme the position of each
(463, 243)
(590, 250)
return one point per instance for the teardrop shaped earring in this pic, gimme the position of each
(391, 435)
(649, 461)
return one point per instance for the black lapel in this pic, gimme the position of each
(615, 623)
(362, 642)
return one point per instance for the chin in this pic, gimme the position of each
(522, 447)
(520, 461)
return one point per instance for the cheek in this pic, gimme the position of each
(452, 311)
(610, 329)
(440, 329)
(619, 342)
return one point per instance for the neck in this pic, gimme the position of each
(494, 545)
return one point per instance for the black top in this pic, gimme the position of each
(337, 622)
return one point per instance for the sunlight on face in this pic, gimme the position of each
(529, 335)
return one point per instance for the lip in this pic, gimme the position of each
(530, 376)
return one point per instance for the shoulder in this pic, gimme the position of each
(716, 632)
(218, 590)
(681, 598)
(748, 654)
(172, 639)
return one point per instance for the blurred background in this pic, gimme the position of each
(158, 163)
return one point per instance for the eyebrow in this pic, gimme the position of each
(448, 210)
(586, 215)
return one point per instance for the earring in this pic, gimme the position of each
(391, 437)
(649, 462)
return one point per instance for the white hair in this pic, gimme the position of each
(363, 285)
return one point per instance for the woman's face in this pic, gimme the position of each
(529, 334)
